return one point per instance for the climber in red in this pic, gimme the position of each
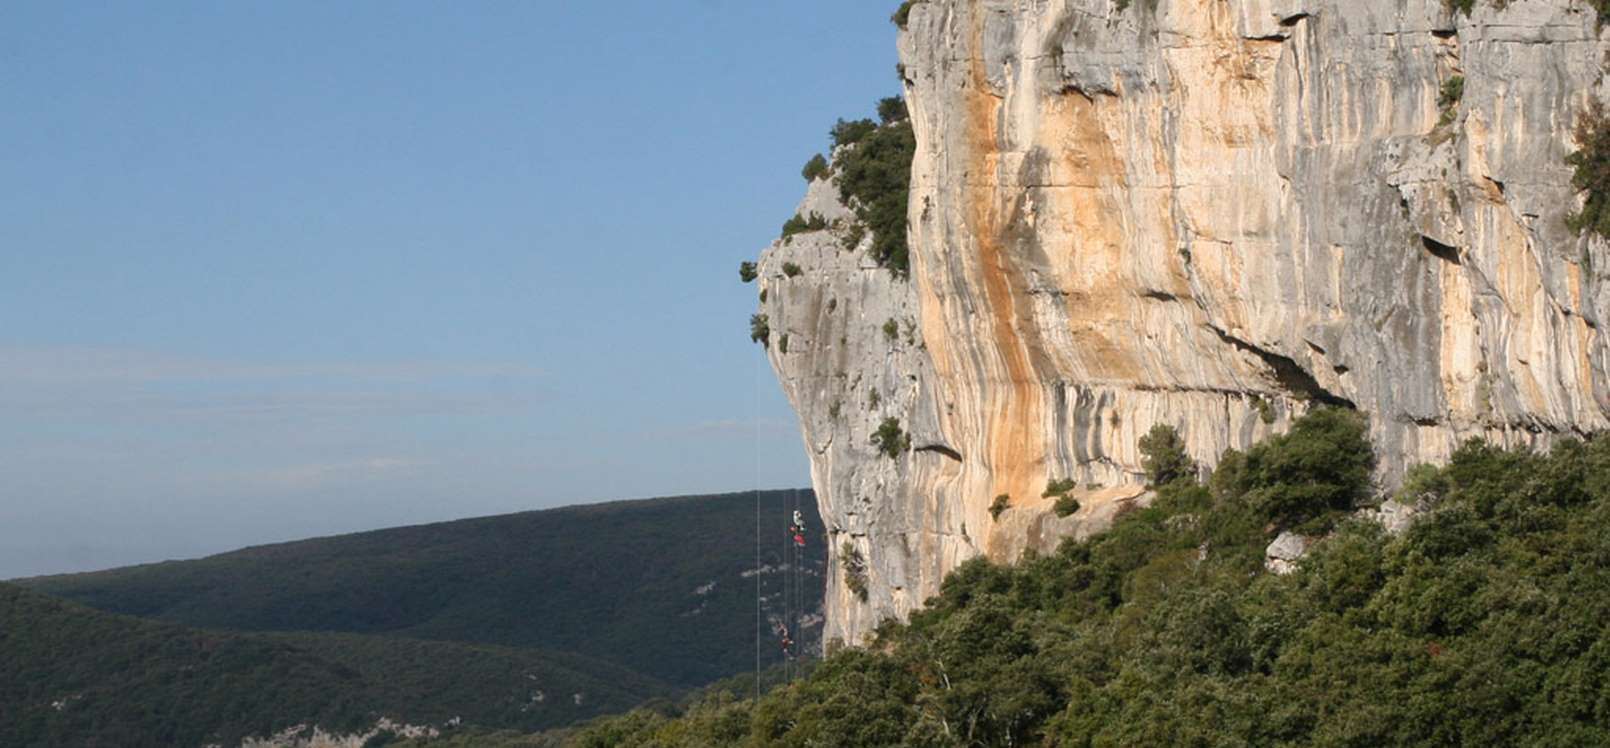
(798, 530)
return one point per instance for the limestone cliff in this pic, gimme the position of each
(1206, 213)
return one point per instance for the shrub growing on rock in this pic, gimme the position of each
(854, 569)
(999, 505)
(902, 14)
(760, 329)
(1453, 90)
(850, 132)
(874, 178)
(1592, 171)
(816, 168)
(1483, 624)
(892, 109)
(1312, 474)
(1163, 456)
(889, 439)
(747, 271)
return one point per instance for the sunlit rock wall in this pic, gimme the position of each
(1206, 213)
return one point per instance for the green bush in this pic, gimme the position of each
(1065, 505)
(791, 270)
(891, 110)
(1266, 410)
(1318, 470)
(902, 14)
(1059, 487)
(999, 505)
(1453, 91)
(782, 343)
(874, 178)
(891, 330)
(1163, 456)
(850, 132)
(760, 329)
(889, 439)
(800, 224)
(746, 271)
(1484, 624)
(816, 168)
(853, 235)
(854, 569)
(1591, 164)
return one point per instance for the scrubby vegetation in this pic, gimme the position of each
(1266, 410)
(892, 109)
(847, 132)
(1059, 487)
(1308, 478)
(1163, 457)
(1453, 91)
(874, 178)
(902, 14)
(889, 439)
(610, 582)
(999, 505)
(1484, 624)
(791, 270)
(872, 169)
(816, 168)
(854, 569)
(853, 234)
(760, 329)
(800, 224)
(747, 271)
(1592, 171)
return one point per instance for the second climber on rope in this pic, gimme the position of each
(798, 530)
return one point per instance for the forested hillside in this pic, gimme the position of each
(73, 676)
(1482, 624)
(665, 587)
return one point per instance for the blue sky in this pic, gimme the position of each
(275, 270)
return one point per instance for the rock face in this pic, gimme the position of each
(1206, 213)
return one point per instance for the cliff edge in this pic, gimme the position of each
(1209, 214)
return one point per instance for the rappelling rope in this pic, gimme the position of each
(760, 627)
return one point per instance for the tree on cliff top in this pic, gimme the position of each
(874, 179)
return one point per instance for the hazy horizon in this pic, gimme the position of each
(277, 272)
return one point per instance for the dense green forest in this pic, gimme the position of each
(658, 586)
(1482, 624)
(70, 675)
